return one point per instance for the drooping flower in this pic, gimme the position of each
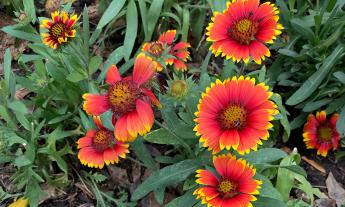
(129, 100)
(60, 28)
(232, 186)
(242, 30)
(321, 133)
(100, 147)
(20, 202)
(164, 47)
(235, 114)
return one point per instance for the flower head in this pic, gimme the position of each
(234, 114)
(180, 90)
(60, 28)
(20, 202)
(232, 186)
(129, 100)
(164, 47)
(99, 147)
(242, 29)
(321, 133)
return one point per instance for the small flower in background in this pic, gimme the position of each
(129, 100)
(242, 29)
(99, 147)
(60, 28)
(164, 50)
(233, 185)
(20, 202)
(320, 133)
(235, 114)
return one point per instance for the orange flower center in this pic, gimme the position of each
(156, 49)
(102, 140)
(227, 188)
(233, 117)
(243, 31)
(122, 96)
(57, 30)
(325, 133)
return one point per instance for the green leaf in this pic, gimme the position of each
(159, 195)
(185, 25)
(94, 64)
(143, 12)
(315, 80)
(188, 199)
(114, 58)
(169, 175)
(161, 136)
(33, 192)
(152, 17)
(285, 177)
(341, 122)
(268, 202)
(265, 155)
(312, 106)
(267, 189)
(283, 113)
(131, 29)
(30, 11)
(110, 13)
(9, 78)
(340, 76)
(23, 32)
(75, 77)
(86, 30)
(143, 154)
(98, 177)
(18, 106)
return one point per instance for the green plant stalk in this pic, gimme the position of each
(183, 143)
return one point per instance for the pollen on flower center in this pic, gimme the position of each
(244, 31)
(57, 30)
(325, 133)
(122, 96)
(156, 49)
(227, 187)
(102, 140)
(233, 117)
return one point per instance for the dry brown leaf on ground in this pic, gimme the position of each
(52, 5)
(21, 93)
(314, 164)
(335, 190)
(16, 47)
(325, 202)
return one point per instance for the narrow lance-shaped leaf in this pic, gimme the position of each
(315, 80)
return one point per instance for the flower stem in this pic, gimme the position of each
(181, 141)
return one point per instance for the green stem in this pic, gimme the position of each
(136, 161)
(242, 68)
(167, 72)
(181, 141)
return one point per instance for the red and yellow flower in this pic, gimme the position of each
(100, 147)
(128, 98)
(321, 133)
(60, 28)
(232, 186)
(235, 114)
(242, 30)
(157, 50)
